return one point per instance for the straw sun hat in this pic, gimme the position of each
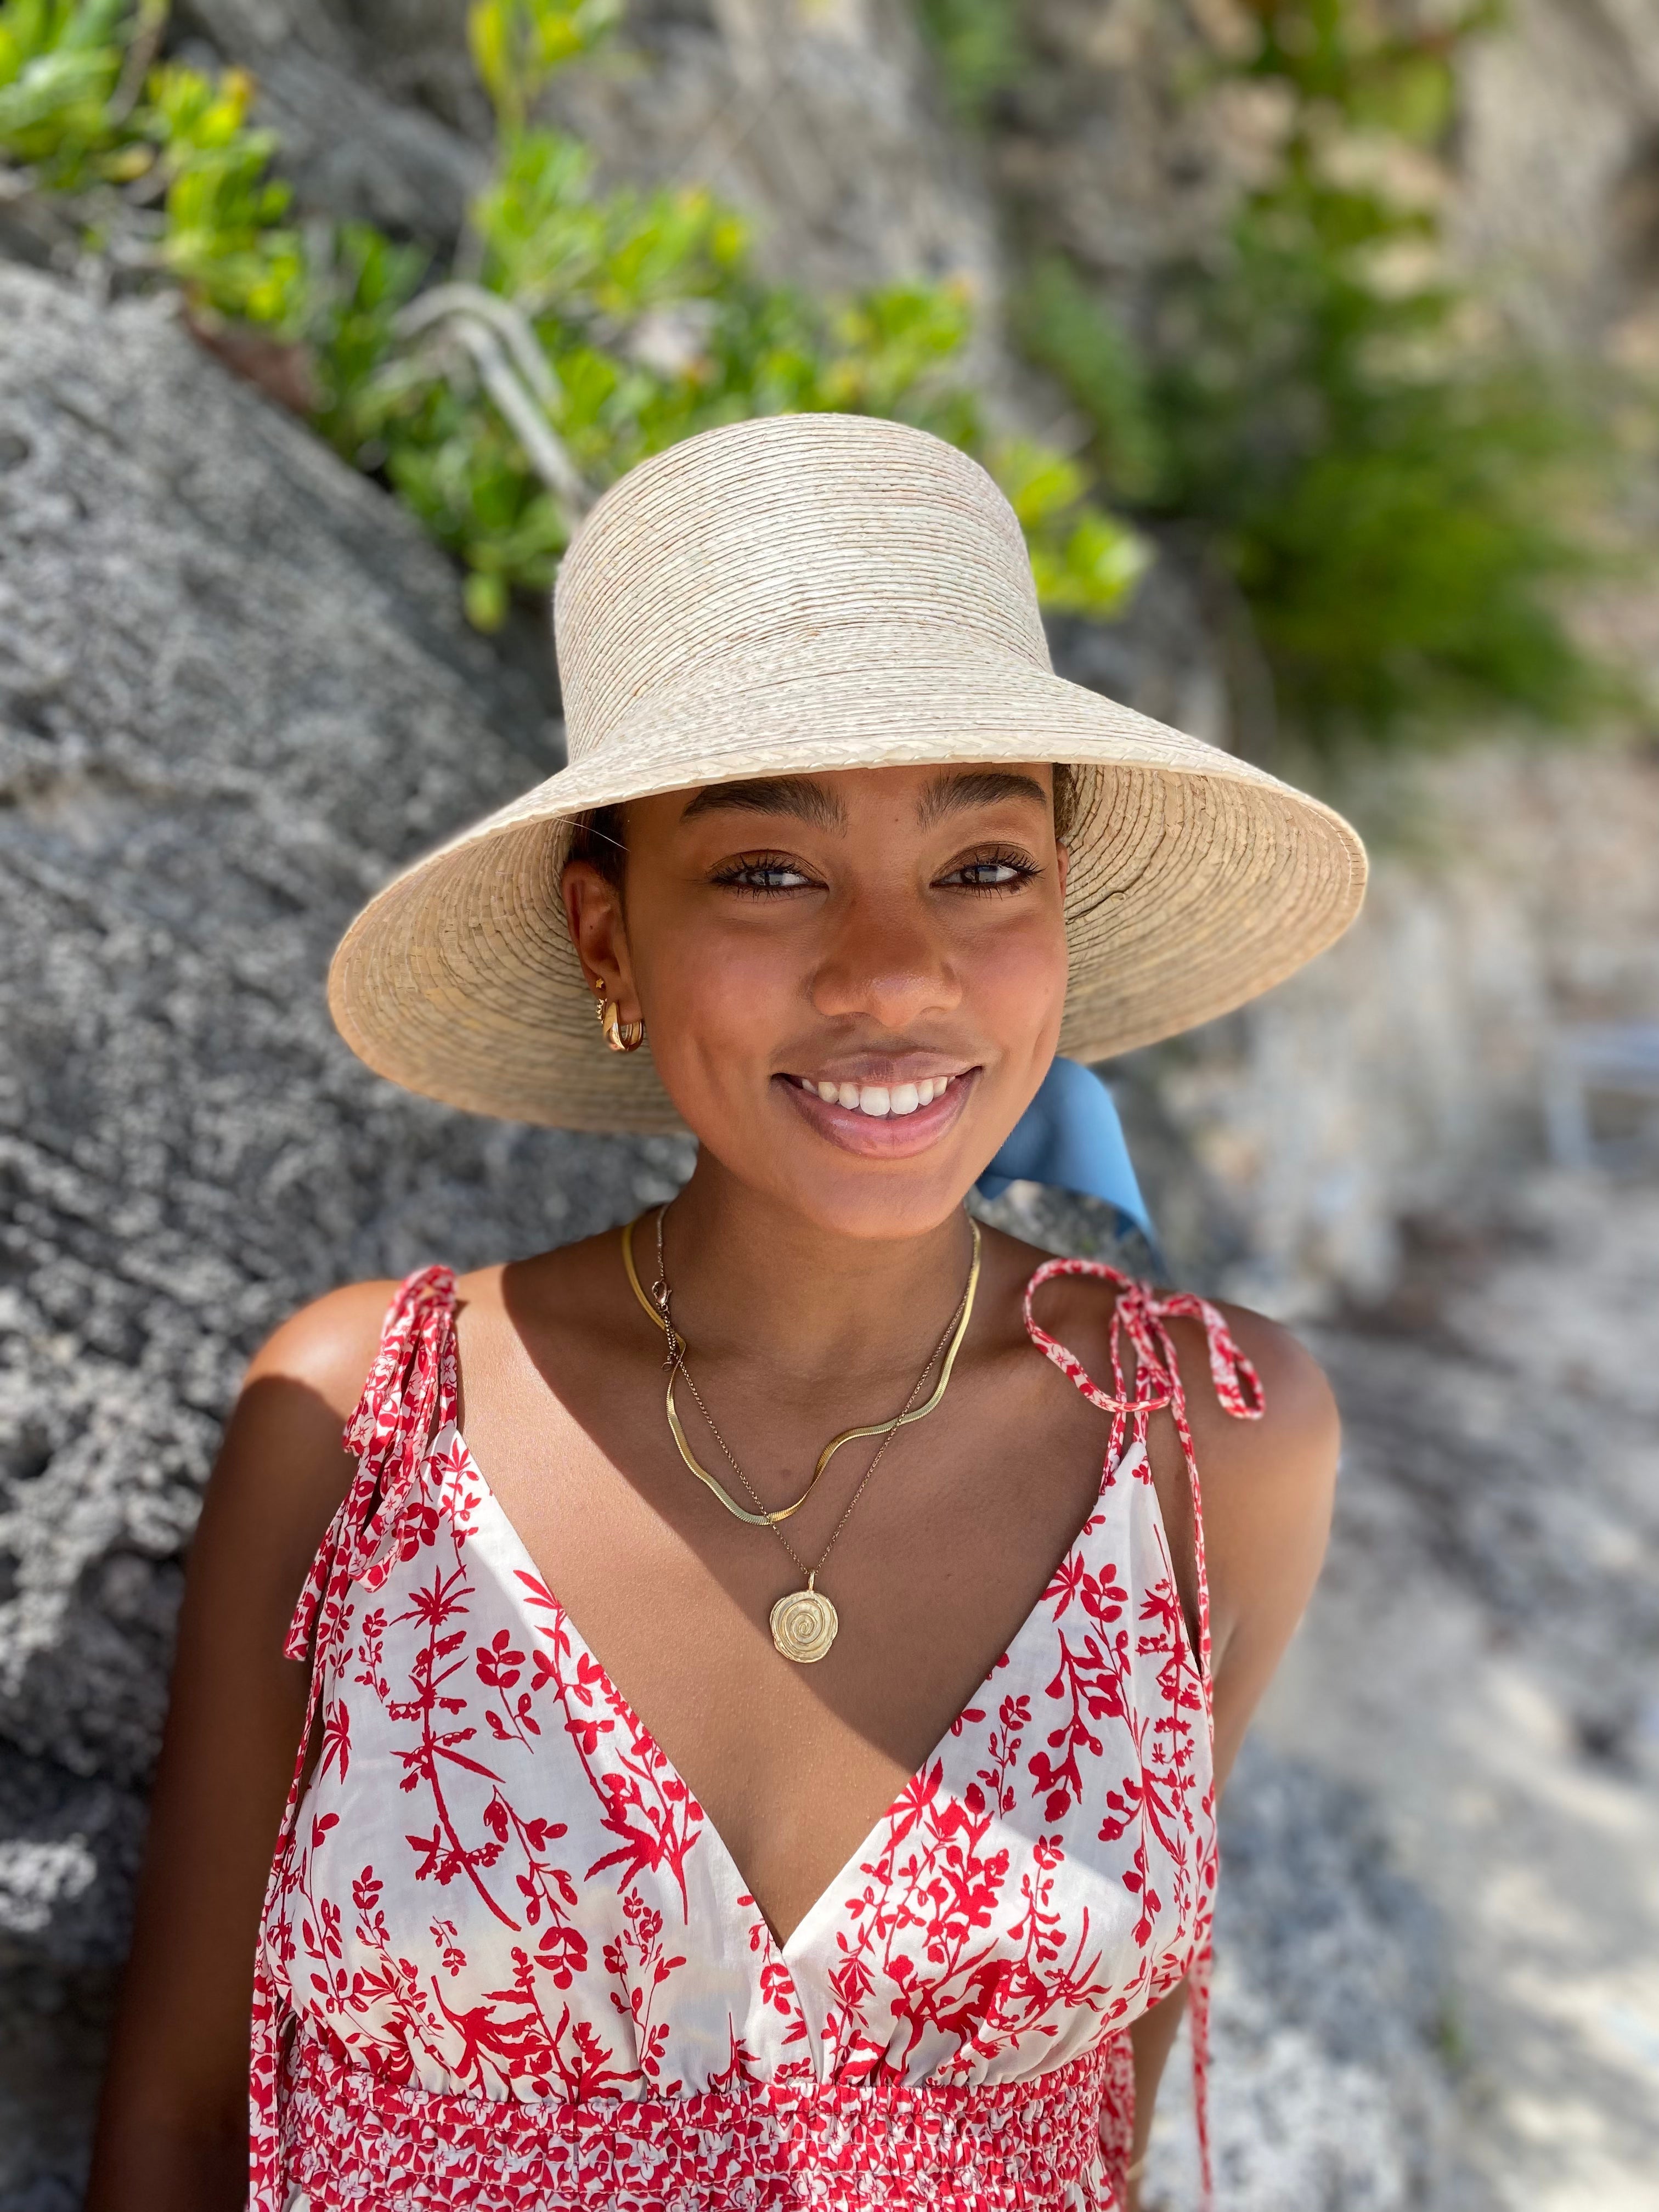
(792, 596)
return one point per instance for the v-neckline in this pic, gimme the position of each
(782, 1948)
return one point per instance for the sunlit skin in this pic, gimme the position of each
(879, 928)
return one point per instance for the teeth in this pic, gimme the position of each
(877, 1099)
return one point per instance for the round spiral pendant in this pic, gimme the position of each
(804, 1625)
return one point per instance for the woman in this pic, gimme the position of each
(756, 1708)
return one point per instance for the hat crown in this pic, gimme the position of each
(745, 540)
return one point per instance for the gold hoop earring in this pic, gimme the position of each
(620, 1036)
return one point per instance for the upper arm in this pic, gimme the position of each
(231, 1735)
(1267, 1487)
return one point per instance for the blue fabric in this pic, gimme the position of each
(1070, 1138)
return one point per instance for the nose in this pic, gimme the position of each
(885, 961)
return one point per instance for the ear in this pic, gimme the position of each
(1062, 865)
(598, 930)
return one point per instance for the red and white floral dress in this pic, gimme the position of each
(506, 1963)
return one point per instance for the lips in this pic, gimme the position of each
(882, 1122)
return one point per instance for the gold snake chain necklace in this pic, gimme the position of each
(804, 1623)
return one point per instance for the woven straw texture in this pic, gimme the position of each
(797, 595)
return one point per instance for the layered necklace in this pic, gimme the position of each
(804, 1622)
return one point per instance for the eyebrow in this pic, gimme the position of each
(772, 794)
(951, 794)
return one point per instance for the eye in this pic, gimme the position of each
(992, 872)
(762, 874)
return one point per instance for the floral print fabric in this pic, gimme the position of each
(506, 1961)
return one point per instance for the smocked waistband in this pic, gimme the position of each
(354, 2142)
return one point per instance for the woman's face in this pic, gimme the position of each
(852, 984)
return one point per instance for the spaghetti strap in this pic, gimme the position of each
(413, 1390)
(1141, 1319)
(412, 1393)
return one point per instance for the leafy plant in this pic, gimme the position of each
(591, 327)
(60, 64)
(602, 325)
(225, 237)
(518, 46)
(1395, 499)
(84, 113)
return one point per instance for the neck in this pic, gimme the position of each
(751, 1278)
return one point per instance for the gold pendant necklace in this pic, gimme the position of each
(804, 1622)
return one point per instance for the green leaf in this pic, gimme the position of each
(485, 599)
(1091, 569)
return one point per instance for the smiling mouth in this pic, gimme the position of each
(891, 1120)
(879, 1101)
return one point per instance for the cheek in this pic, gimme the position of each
(716, 997)
(1016, 975)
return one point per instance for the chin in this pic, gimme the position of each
(892, 1204)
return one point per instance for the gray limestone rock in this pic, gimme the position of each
(378, 110)
(1329, 2086)
(823, 123)
(235, 689)
(69, 1849)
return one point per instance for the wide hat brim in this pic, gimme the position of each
(1196, 880)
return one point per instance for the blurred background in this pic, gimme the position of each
(1316, 342)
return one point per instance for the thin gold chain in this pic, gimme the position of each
(890, 1429)
(886, 1429)
(654, 1303)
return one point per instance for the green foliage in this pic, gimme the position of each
(593, 326)
(1064, 325)
(551, 240)
(1341, 58)
(647, 324)
(225, 238)
(60, 62)
(356, 299)
(1398, 501)
(629, 320)
(980, 48)
(73, 112)
(517, 46)
(1081, 559)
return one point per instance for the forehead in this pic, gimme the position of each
(929, 793)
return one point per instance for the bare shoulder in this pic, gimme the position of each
(328, 1346)
(1297, 1434)
(283, 1467)
(1267, 1485)
(1298, 1420)
(1267, 1480)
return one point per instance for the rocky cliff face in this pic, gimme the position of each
(1404, 1074)
(235, 689)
